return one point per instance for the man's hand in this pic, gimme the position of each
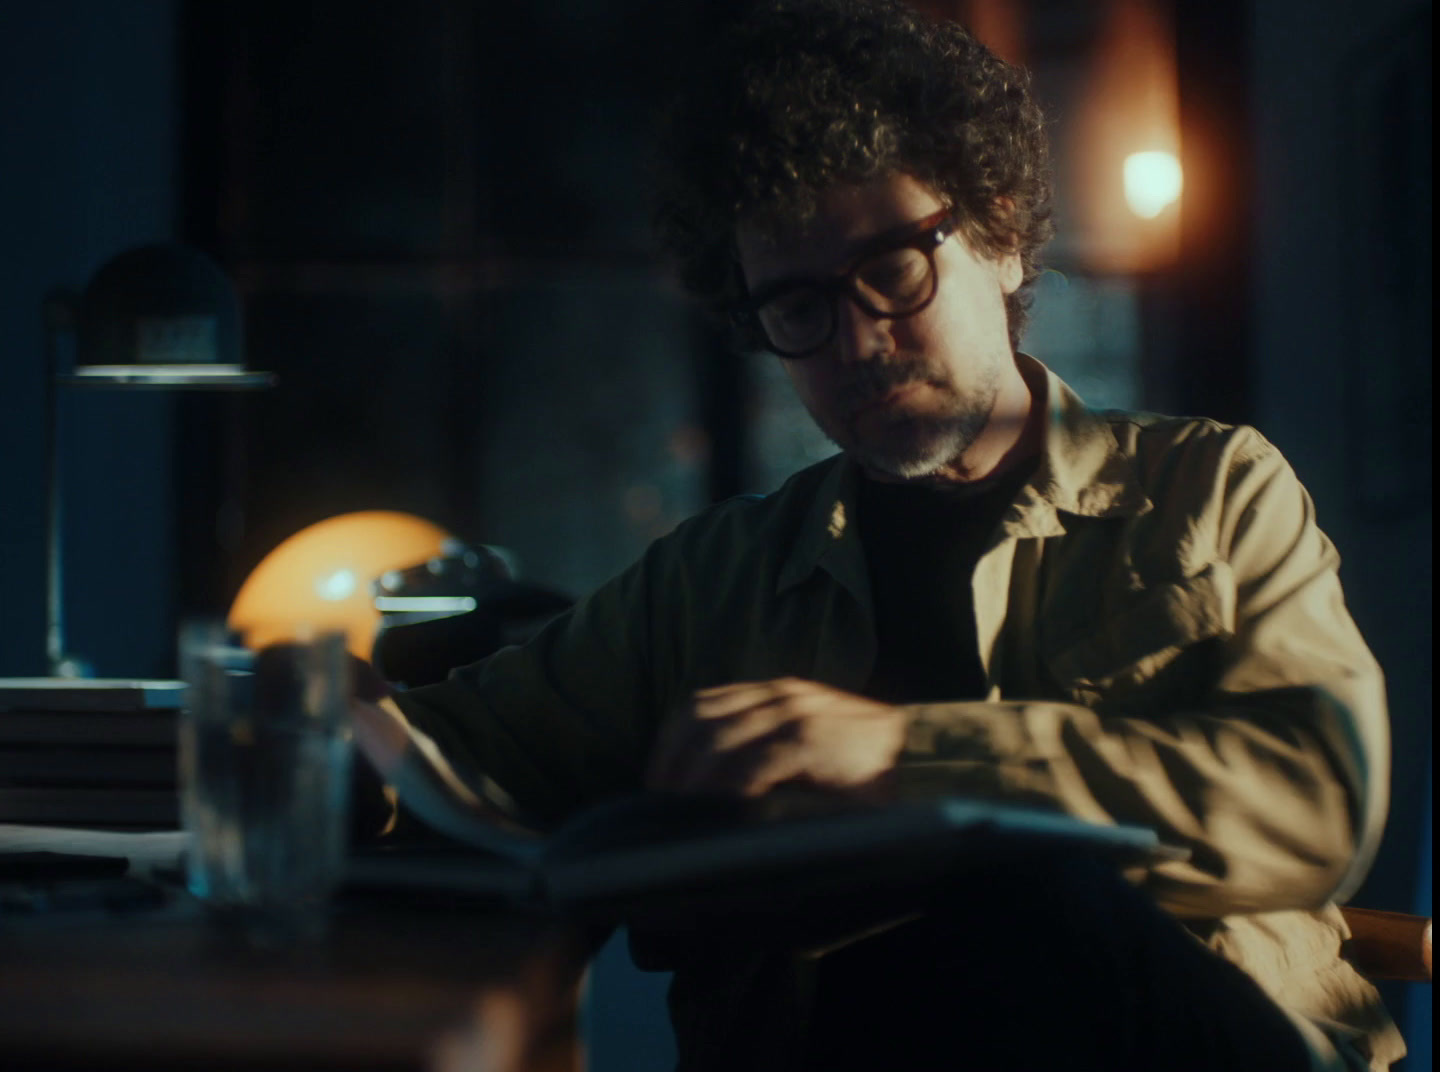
(747, 738)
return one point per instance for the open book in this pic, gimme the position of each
(652, 854)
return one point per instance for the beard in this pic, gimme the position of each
(899, 442)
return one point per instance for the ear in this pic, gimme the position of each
(1008, 269)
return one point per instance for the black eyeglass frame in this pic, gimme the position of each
(929, 235)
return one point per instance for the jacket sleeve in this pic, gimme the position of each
(562, 721)
(1276, 779)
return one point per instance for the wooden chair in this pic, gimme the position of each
(1388, 945)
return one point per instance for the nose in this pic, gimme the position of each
(858, 335)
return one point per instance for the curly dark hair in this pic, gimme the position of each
(799, 96)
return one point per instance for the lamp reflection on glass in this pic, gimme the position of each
(321, 578)
(157, 317)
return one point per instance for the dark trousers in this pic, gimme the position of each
(1042, 963)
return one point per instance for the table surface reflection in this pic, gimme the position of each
(398, 982)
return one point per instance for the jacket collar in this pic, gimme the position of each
(1082, 471)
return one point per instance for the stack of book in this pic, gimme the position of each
(96, 753)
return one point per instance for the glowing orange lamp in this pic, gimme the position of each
(320, 578)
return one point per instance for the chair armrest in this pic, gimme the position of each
(1388, 945)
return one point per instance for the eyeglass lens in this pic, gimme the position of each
(893, 283)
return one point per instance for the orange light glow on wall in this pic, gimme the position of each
(320, 578)
(1123, 149)
(998, 24)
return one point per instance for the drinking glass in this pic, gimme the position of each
(265, 754)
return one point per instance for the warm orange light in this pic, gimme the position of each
(320, 578)
(998, 24)
(1123, 148)
(1153, 182)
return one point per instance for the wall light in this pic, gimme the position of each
(1121, 148)
(1153, 181)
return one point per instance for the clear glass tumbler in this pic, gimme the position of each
(265, 755)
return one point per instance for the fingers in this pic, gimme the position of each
(731, 699)
(749, 769)
(717, 719)
(700, 752)
(748, 737)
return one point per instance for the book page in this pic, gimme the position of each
(429, 786)
(717, 852)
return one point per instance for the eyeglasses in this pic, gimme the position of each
(798, 317)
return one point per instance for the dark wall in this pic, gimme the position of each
(437, 217)
(1342, 342)
(87, 168)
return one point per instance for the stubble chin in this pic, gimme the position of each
(909, 446)
(916, 447)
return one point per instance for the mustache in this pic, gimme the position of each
(871, 381)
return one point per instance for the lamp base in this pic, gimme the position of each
(71, 667)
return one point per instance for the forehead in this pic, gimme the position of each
(847, 217)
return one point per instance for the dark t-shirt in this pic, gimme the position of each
(921, 545)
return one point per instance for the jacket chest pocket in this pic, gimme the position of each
(1155, 642)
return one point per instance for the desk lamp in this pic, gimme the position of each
(322, 577)
(157, 317)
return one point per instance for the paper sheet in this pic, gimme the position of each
(146, 851)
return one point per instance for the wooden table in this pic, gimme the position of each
(393, 985)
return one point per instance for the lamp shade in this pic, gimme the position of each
(162, 304)
(161, 316)
(320, 578)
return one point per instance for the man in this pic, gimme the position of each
(992, 591)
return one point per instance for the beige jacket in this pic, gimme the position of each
(1165, 641)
